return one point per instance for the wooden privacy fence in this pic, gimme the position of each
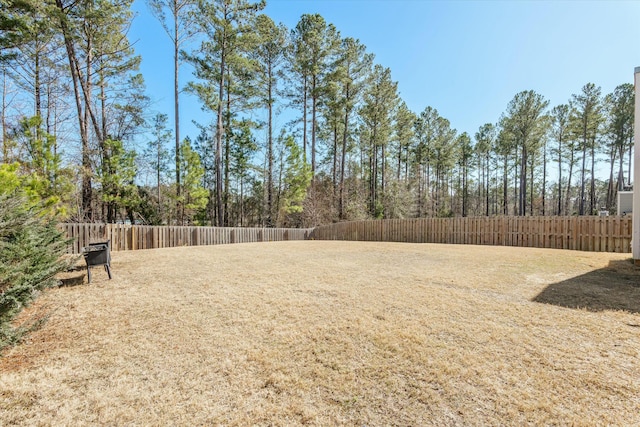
(126, 237)
(584, 233)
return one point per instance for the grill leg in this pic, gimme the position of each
(89, 273)
(108, 268)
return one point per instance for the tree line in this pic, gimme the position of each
(74, 110)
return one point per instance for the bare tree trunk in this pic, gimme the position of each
(3, 118)
(522, 205)
(464, 190)
(103, 154)
(610, 187)
(313, 128)
(304, 119)
(544, 178)
(629, 163)
(486, 187)
(482, 189)
(384, 165)
(158, 160)
(279, 192)
(36, 84)
(86, 208)
(531, 189)
(505, 184)
(427, 190)
(592, 190)
(241, 203)
(343, 160)
(515, 191)
(560, 176)
(568, 195)
(406, 167)
(227, 152)
(334, 170)
(371, 182)
(270, 152)
(420, 189)
(218, 147)
(399, 161)
(582, 183)
(176, 105)
(620, 185)
(437, 200)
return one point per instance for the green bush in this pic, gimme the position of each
(31, 250)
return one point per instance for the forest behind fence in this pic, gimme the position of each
(585, 233)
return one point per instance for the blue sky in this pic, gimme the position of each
(467, 59)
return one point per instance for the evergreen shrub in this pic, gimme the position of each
(31, 249)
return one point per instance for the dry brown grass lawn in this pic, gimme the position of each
(335, 333)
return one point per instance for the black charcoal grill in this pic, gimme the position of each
(96, 254)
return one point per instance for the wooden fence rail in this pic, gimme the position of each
(126, 237)
(584, 233)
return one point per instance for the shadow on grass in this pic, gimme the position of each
(615, 287)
